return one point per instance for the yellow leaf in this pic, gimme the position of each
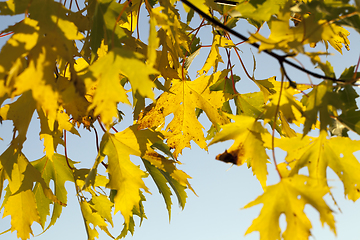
(289, 106)
(25, 37)
(50, 133)
(308, 31)
(340, 38)
(317, 154)
(22, 209)
(214, 56)
(248, 146)
(68, 28)
(289, 197)
(21, 204)
(41, 73)
(182, 100)
(124, 176)
(109, 91)
(168, 18)
(92, 219)
(153, 43)
(131, 21)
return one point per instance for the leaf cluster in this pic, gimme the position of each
(73, 66)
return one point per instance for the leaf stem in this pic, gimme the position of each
(102, 127)
(96, 139)
(66, 157)
(242, 63)
(274, 125)
(356, 69)
(183, 64)
(137, 21)
(116, 23)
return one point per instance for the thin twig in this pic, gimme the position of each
(242, 63)
(77, 5)
(279, 58)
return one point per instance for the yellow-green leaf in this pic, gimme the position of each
(56, 169)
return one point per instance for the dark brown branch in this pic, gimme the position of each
(279, 58)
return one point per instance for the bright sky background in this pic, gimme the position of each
(222, 190)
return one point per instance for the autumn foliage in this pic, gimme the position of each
(70, 64)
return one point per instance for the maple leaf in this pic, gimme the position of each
(20, 202)
(20, 115)
(103, 206)
(92, 219)
(160, 182)
(109, 91)
(169, 20)
(309, 31)
(317, 154)
(124, 176)
(257, 10)
(321, 100)
(214, 56)
(104, 21)
(164, 171)
(51, 38)
(289, 197)
(283, 102)
(182, 100)
(52, 130)
(250, 104)
(291, 108)
(12, 54)
(131, 226)
(53, 168)
(153, 43)
(248, 146)
(98, 210)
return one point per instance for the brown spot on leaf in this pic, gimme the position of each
(229, 157)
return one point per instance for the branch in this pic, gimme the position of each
(279, 58)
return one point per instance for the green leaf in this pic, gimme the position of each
(56, 169)
(105, 25)
(160, 182)
(319, 101)
(351, 120)
(20, 116)
(250, 104)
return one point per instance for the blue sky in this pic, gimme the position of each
(216, 213)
